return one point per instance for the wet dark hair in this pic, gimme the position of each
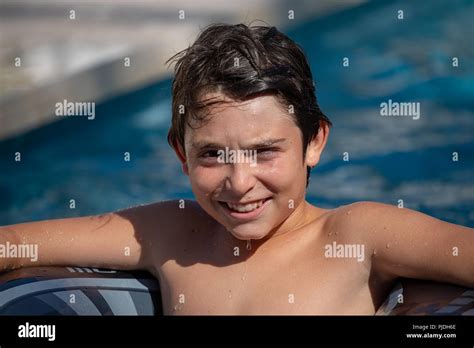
(241, 62)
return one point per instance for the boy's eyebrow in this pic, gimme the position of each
(260, 143)
(265, 143)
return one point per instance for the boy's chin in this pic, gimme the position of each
(248, 233)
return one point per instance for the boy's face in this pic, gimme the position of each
(275, 184)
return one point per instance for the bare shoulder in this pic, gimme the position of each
(166, 223)
(165, 216)
(354, 221)
(364, 215)
(374, 224)
(408, 243)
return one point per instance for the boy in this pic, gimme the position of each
(251, 244)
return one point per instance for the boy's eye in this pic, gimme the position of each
(266, 152)
(209, 154)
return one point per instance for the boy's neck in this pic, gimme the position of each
(304, 214)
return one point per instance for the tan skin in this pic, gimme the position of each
(201, 254)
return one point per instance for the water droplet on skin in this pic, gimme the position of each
(230, 293)
(245, 273)
(249, 245)
(388, 246)
(348, 212)
(375, 252)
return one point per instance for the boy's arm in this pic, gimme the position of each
(414, 245)
(120, 240)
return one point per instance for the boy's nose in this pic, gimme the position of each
(241, 179)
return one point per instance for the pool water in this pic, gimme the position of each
(390, 158)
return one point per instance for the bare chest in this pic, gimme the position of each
(289, 285)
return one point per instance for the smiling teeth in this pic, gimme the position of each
(245, 208)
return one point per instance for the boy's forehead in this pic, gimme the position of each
(249, 122)
(255, 132)
(258, 110)
(220, 103)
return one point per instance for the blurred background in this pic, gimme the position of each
(84, 59)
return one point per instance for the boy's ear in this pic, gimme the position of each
(181, 156)
(316, 145)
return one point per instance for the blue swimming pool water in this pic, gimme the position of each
(390, 158)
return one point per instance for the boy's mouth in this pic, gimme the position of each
(245, 210)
